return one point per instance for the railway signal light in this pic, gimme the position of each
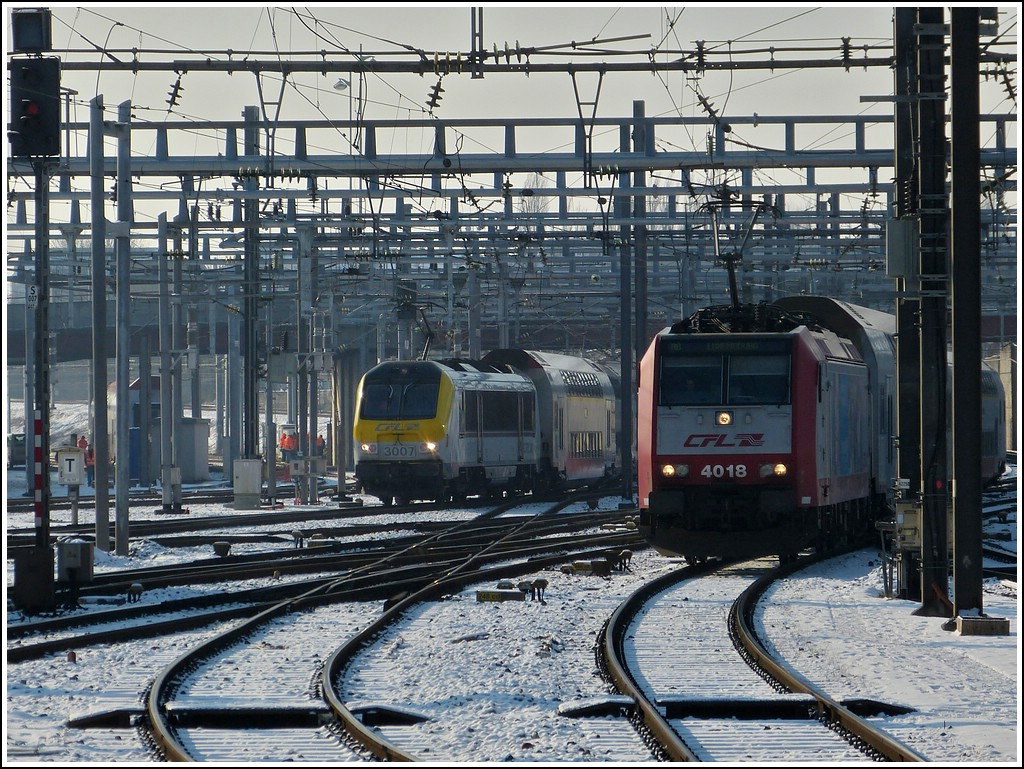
(35, 107)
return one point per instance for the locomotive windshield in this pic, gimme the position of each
(396, 392)
(700, 372)
(759, 379)
(691, 381)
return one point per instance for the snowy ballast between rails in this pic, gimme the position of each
(832, 622)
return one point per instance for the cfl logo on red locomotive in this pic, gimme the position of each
(721, 441)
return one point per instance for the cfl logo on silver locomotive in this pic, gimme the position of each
(397, 427)
(722, 441)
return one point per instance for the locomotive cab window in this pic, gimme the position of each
(379, 402)
(691, 381)
(758, 379)
(401, 392)
(419, 401)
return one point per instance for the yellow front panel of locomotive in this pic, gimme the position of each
(433, 430)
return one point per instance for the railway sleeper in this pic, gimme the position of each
(791, 708)
(244, 717)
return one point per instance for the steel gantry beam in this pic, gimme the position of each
(520, 221)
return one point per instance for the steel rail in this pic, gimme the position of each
(742, 619)
(163, 731)
(611, 656)
(456, 578)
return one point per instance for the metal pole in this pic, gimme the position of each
(966, 294)
(100, 439)
(934, 216)
(170, 478)
(145, 409)
(30, 370)
(316, 347)
(270, 428)
(123, 330)
(233, 385)
(640, 230)
(177, 376)
(250, 298)
(625, 333)
(908, 413)
(338, 421)
(502, 306)
(41, 400)
(473, 324)
(303, 314)
(192, 338)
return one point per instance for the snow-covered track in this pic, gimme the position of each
(471, 571)
(177, 711)
(671, 648)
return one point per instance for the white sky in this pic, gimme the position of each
(383, 28)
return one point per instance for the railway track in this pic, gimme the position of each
(167, 524)
(310, 735)
(169, 715)
(236, 590)
(684, 650)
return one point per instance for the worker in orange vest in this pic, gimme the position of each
(289, 445)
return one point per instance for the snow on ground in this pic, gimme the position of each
(838, 629)
(834, 622)
(506, 668)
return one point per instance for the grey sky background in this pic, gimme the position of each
(383, 30)
(385, 27)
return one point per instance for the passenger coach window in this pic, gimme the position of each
(526, 404)
(758, 379)
(471, 411)
(691, 381)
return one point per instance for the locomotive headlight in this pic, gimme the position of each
(723, 418)
(429, 446)
(778, 470)
(675, 471)
(368, 448)
(668, 470)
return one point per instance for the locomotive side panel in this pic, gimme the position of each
(844, 465)
(872, 334)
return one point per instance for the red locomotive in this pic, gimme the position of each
(764, 429)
